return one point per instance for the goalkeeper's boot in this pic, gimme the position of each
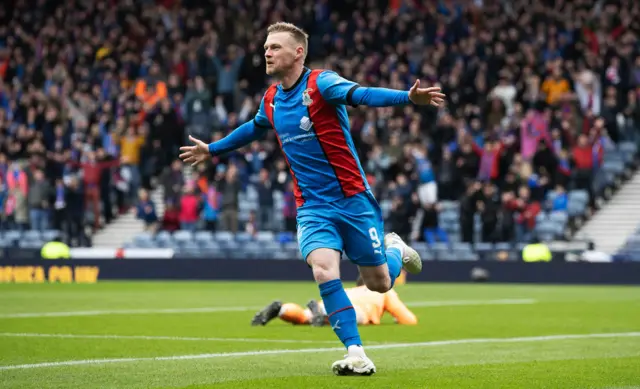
(411, 261)
(354, 363)
(318, 317)
(267, 314)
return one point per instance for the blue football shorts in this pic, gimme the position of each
(352, 224)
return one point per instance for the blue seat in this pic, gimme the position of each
(191, 249)
(427, 255)
(50, 235)
(283, 255)
(483, 247)
(265, 236)
(31, 244)
(224, 236)
(468, 256)
(576, 209)
(271, 246)
(578, 196)
(614, 166)
(230, 245)
(183, 236)
(203, 236)
(144, 244)
(542, 217)
(31, 235)
(291, 246)
(285, 237)
(143, 238)
(503, 246)
(629, 150)
(447, 256)
(244, 237)
(209, 244)
(419, 246)
(164, 236)
(439, 246)
(462, 247)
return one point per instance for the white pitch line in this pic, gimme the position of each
(452, 303)
(319, 350)
(145, 337)
(442, 303)
(126, 312)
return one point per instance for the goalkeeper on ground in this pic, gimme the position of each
(369, 306)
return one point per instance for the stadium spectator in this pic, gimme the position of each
(74, 210)
(229, 207)
(171, 217)
(146, 211)
(172, 181)
(189, 208)
(289, 210)
(38, 202)
(265, 200)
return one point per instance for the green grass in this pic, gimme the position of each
(580, 362)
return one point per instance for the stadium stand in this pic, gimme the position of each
(540, 129)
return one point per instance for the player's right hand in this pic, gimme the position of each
(195, 154)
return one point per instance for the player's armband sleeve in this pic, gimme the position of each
(335, 89)
(338, 90)
(248, 132)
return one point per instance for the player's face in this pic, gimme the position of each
(280, 53)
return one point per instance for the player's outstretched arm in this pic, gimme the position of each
(241, 136)
(338, 90)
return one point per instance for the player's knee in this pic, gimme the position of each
(325, 265)
(323, 274)
(378, 283)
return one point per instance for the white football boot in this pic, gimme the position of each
(411, 261)
(354, 363)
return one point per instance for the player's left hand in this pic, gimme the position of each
(426, 96)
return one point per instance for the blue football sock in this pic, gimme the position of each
(341, 314)
(394, 262)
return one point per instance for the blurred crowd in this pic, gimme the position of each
(97, 96)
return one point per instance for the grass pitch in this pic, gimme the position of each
(197, 335)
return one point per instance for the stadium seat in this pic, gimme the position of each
(181, 237)
(224, 236)
(503, 246)
(243, 237)
(191, 249)
(614, 166)
(578, 196)
(144, 239)
(203, 236)
(209, 245)
(291, 246)
(447, 256)
(468, 256)
(483, 247)
(462, 247)
(439, 246)
(164, 237)
(31, 235)
(265, 236)
(50, 235)
(283, 255)
(427, 255)
(285, 237)
(31, 244)
(576, 209)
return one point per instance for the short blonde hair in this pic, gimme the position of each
(296, 32)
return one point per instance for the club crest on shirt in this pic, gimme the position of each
(306, 98)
